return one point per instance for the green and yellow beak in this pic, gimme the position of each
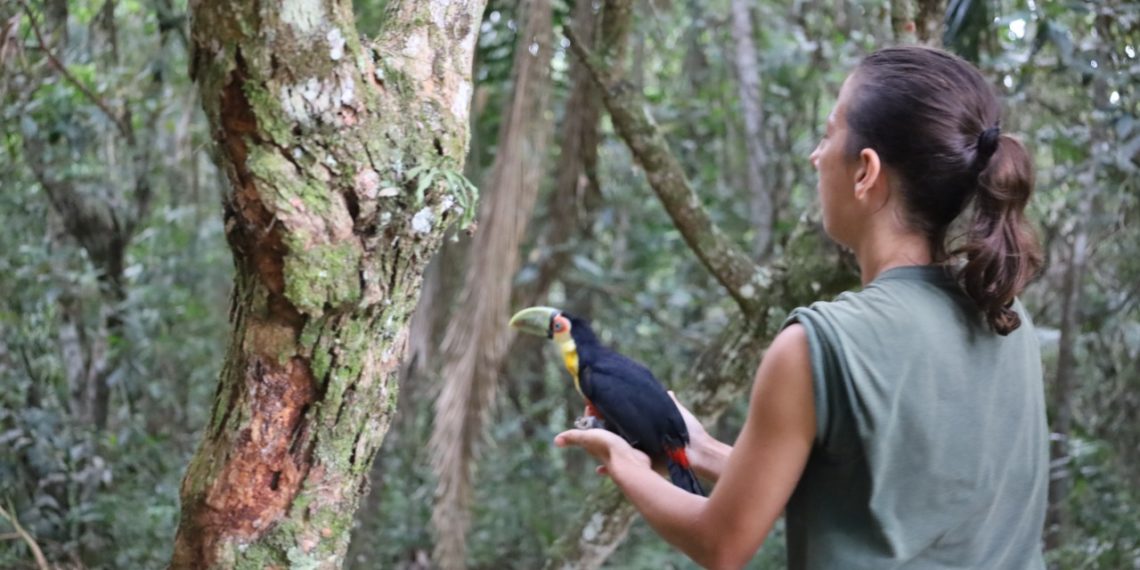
(535, 320)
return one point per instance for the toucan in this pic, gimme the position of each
(621, 394)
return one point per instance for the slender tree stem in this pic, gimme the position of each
(66, 73)
(41, 562)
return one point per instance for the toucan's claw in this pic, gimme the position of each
(589, 422)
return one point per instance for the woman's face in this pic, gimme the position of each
(837, 173)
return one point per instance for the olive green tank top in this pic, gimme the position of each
(932, 447)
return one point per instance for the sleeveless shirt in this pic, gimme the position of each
(932, 445)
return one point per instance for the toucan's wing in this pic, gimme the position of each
(586, 379)
(632, 401)
(637, 407)
(617, 408)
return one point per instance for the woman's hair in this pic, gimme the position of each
(934, 120)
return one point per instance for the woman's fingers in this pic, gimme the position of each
(588, 438)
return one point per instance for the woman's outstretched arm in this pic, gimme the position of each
(759, 475)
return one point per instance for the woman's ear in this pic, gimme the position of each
(868, 173)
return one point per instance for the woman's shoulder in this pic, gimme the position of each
(893, 306)
(859, 304)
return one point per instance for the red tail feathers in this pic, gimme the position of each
(678, 456)
(681, 473)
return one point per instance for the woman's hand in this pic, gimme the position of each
(697, 434)
(707, 455)
(607, 447)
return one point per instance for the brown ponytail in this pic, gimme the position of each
(935, 121)
(1001, 251)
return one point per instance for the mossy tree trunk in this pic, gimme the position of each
(342, 158)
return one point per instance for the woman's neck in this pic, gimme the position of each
(888, 248)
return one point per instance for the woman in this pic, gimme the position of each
(902, 425)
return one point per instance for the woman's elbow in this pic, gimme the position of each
(726, 561)
(728, 556)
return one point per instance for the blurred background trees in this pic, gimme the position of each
(115, 275)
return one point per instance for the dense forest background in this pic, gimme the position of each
(115, 275)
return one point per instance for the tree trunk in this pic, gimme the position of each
(576, 194)
(1067, 380)
(902, 21)
(476, 342)
(749, 90)
(569, 214)
(98, 212)
(1060, 481)
(344, 164)
(929, 21)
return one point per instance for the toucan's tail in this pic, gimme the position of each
(681, 473)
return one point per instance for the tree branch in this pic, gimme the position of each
(94, 224)
(726, 260)
(41, 562)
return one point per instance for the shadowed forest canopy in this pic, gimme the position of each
(258, 259)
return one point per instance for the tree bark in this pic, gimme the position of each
(343, 161)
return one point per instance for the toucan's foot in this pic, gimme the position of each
(589, 422)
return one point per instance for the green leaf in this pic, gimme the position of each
(424, 184)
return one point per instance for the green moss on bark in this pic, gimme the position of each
(322, 275)
(266, 108)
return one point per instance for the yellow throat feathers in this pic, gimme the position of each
(570, 358)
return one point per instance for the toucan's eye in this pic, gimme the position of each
(557, 327)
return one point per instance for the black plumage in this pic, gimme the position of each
(633, 404)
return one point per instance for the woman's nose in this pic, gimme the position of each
(814, 158)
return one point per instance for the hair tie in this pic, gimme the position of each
(987, 145)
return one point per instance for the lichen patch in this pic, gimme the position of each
(304, 16)
(422, 221)
(336, 44)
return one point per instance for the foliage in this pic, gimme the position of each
(1069, 73)
(458, 186)
(109, 498)
(1104, 506)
